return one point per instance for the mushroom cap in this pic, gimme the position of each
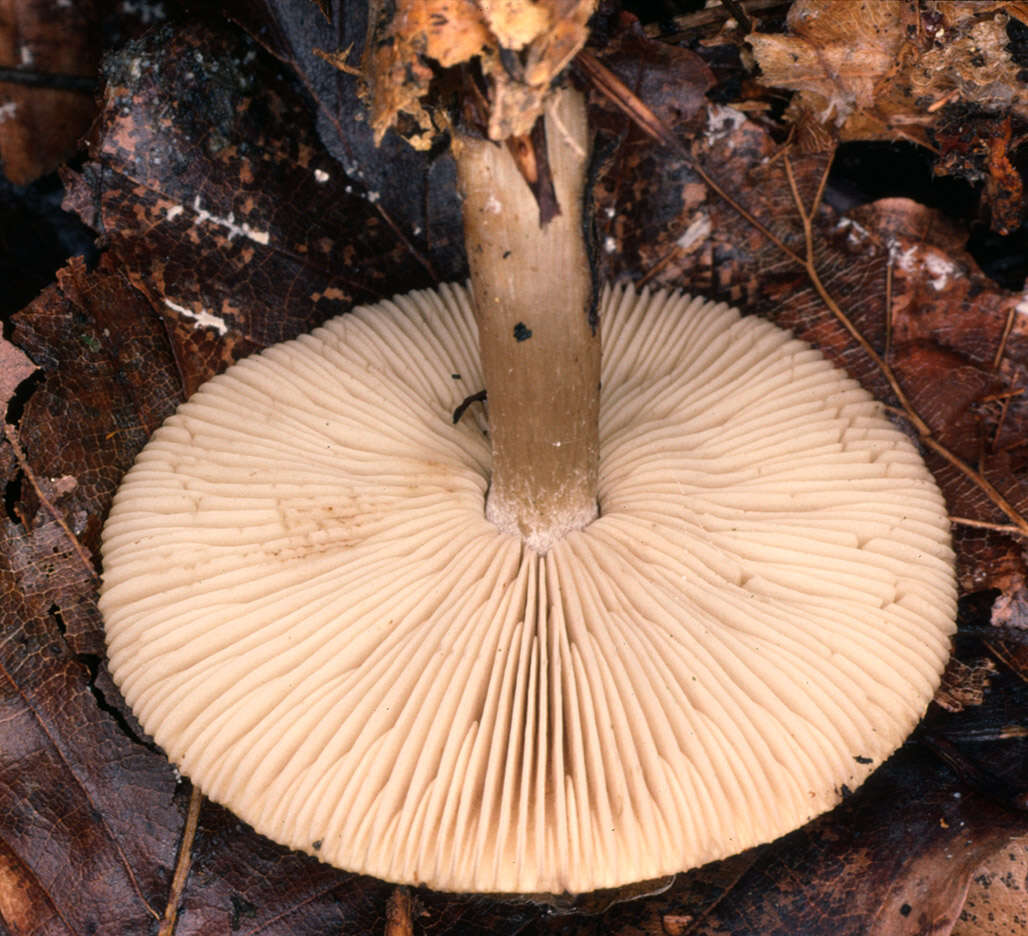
(307, 609)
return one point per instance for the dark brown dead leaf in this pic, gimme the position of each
(415, 191)
(223, 209)
(49, 53)
(672, 80)
(116, 357)
(873, 866)
(964, 684)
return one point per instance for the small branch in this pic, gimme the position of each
(182, 864)
(888, 307)
(688, 22)
(978, 478)
(658, 266)
(821, 185)
(738, 14)
(1004, 733)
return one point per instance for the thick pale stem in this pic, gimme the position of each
(540, 355)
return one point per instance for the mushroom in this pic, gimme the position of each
(311, 606)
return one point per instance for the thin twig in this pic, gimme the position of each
(1003, 733)
(923, 429)
(1007, 528)
(738, 14)
(658, 266)
(1003, 395)
(688, 22)
(808, 235)
(1002, 349)
(11, 434)
(400, 913)
(819, 195)
(182, 864)
(978, 478)
(1004, 408)
(619, 94)
(888, 307)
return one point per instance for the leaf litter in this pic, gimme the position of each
(228, 225)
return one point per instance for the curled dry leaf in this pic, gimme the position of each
(834, 55)
(892, 71)
(14, 368)
(520, 46)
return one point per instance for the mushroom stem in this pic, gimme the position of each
(540, 355)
